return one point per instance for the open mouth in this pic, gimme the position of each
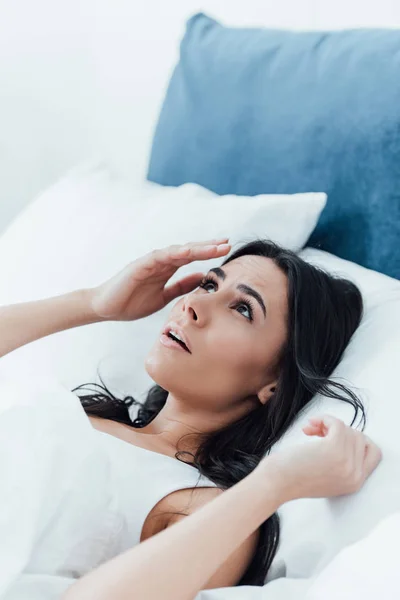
(178, 340)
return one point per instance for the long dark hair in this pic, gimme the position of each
(323, 313)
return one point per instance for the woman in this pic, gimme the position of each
(242, 353)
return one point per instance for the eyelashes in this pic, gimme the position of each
(241, 302)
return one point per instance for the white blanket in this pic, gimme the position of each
(47, 463)
(366, 570)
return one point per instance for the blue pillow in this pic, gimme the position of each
(251, 111)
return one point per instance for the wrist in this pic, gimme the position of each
(89, 315)
(270, 475)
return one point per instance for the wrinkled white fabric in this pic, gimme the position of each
(72, 497)
(366, 570)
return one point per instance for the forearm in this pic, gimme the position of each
(28, 321)
(176, 563)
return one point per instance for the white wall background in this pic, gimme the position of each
(85, 78)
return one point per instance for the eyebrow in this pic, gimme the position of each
(242, 287)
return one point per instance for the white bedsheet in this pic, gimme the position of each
(367, 570)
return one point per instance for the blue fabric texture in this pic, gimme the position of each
(251, 111)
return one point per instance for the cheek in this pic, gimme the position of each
(235, 353)
(232, 368)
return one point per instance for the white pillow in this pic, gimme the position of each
(314, 530)
(89, 225)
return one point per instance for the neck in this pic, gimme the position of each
(180, 426)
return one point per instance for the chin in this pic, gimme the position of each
(159, 371)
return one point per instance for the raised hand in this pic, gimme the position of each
(141, 289)
(337, 464)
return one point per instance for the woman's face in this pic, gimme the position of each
(234, 337)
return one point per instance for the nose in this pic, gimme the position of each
(194, 308)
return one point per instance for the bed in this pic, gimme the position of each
(276, 133)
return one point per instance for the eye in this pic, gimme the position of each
(242, 303)
(208, 281)
(246, 308)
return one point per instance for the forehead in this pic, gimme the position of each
(263, 275)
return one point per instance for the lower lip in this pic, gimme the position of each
(170, 343)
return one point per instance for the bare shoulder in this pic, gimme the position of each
(175, 506)
(189, 500)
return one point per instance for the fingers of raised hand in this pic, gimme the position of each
(180, 254)
(366, 456)
(325, 425)
(221, 240)
(373, 456)
(358, 459)
(184, 286)
(355, 455)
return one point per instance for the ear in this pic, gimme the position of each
(267, 392)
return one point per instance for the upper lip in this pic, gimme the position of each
(171, 326)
